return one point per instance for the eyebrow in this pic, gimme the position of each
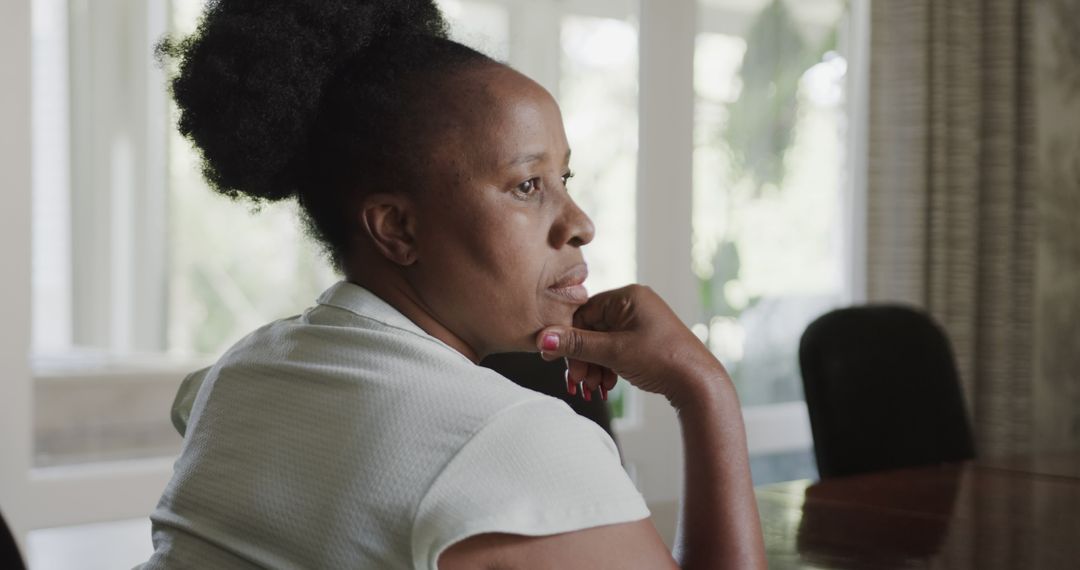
(534, 157)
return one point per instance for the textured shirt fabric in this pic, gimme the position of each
(347, 437)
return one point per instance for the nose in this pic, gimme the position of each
(573, 226)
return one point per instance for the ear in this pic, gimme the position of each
(390, 222)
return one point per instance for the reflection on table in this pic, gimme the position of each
(1021, 513)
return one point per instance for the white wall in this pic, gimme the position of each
(15, 259)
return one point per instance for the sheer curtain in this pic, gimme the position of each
(951, 192)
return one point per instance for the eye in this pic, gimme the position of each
(528, 188)
(566, 177)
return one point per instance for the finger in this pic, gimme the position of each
(608, 383)
(591, 346)
(593, 314)
(609, 379)
(576, 370)
(593, 377)
(548, 356)
(610, 310)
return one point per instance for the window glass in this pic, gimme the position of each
(598, 95)
(768, 180)
(480, 25)
(769, 173)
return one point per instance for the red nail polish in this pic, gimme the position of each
(603, 393)
(550, 341)
(571, 386)
(586, 393)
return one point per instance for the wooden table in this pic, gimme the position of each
(1019, 513)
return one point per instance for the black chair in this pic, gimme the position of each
(9, 552)
(883, 391)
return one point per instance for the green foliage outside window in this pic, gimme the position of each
(759, 129)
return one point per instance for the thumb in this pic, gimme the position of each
(580, 344)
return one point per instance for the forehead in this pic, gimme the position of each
(502, 116)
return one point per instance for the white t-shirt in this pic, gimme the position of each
(347, 437)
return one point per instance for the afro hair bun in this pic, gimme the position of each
(251, 77)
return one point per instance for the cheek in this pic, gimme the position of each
(510, 251)
(495, 260)
(527, 265)
(511, 247)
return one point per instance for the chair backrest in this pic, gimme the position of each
(882, 390)
(9, 551)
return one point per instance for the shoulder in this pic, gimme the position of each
(628, 546)
(535, 468)
(536, 431)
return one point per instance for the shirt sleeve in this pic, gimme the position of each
(535, 469)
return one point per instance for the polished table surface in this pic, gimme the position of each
(1021, 513)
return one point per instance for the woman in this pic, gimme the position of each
(361, 434)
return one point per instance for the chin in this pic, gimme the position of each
(563, 317)
(526, 340)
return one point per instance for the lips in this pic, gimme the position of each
(569, 286)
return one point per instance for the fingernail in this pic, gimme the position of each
(550, 342)
(603, 393)
(586, 393)
(571, 386)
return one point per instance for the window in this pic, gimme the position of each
(598, 96)
(170, 274)
(769, 175)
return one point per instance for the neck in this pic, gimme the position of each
(397, 292)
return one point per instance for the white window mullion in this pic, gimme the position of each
(664, 183)
(615, 9)
(534, 24)
(51, 173)
(119, 122)
(666, 148)
(93, 71)
(856, 48)
(149, 255)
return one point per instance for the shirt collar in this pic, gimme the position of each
(360, 301)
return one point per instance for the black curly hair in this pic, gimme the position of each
(320, 100)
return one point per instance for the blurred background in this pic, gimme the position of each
(723, 148)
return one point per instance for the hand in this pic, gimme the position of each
(631, 332)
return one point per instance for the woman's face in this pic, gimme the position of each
(498, 236)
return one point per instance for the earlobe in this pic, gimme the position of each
(388, 221)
